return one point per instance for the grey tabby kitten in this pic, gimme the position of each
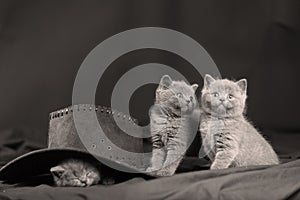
(228, 138)
(78, 173)
(169, 125)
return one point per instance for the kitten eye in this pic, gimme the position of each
(77, 174)
(230, 96)
(215, 94)
(88, 174)
(191, 98)
(179, 95)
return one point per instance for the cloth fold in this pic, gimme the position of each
(257, 182)
(14, 143)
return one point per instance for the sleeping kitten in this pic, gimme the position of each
(228, 138)
(77, 173)
(169, 125)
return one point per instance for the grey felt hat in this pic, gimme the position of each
(74, 133)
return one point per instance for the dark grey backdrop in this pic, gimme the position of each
(42, 44)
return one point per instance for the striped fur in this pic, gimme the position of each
(175, 101)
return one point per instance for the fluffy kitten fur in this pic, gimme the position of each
(228, 138)
(170, 124)
(78, 173)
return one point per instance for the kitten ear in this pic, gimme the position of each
(57, 171)
(195, 86)
(208, 79)
(242, 84)
(165, 81)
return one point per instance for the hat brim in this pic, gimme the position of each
(40, 161)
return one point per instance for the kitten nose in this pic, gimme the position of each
(83, 181)
(222, 99)
(188, 101)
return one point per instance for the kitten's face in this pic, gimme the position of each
(176, 95)
(73, 172)
(223, 98)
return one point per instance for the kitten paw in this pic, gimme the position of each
(151, 171)
(217, 167)
(164, 173)
(108, 181)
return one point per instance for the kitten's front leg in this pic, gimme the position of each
(174, 155)
(157, 159)
(171, 165)
(224, 159)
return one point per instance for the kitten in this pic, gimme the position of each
(169, 125)
(77, 173)
(228, 138)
